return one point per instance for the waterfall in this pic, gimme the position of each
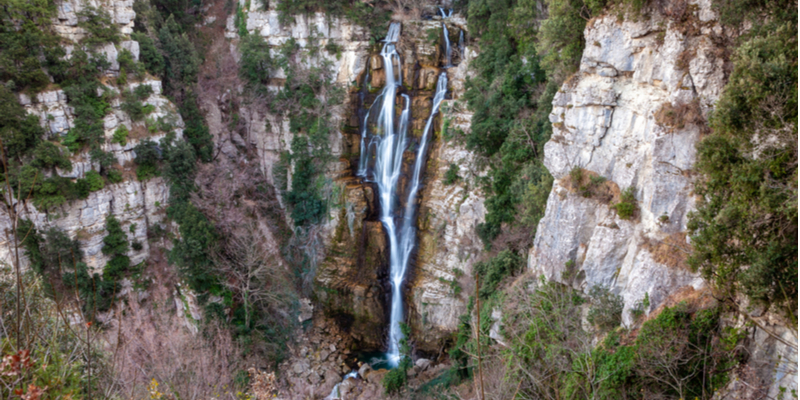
(461, 43)
(447, 53)
(381, 162)
(362, 158)
(408, 232)
(446, 46)
(386, 113)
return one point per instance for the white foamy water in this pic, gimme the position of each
(381, 162)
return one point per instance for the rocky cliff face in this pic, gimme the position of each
(350, 280)
(137, 205)
(633, 114)
(448, 216)
(610, 120)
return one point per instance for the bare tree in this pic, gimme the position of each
(149, 342)
(254, 273)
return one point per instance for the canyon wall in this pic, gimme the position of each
(138, 205)
(632, 114)
(608, 120)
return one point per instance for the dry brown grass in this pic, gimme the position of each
(672, 251)
(590, 184)
(138, 131)
(680, 115)
(693, 300)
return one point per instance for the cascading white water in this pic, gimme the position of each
(408, 232)
(386, 99)
(448, 57)
(461, 43)
(381, 161)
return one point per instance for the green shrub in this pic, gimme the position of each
(743, 177)
(120, 135)
(196, 130)
(451, 176)
(30, 48)
(641, 307)
(142, 92)
(145, 172)
(21, 131)
(494, 270)
(94, 180)
(256, 64)
(57, 258)
(100, 27)
(114, 176)
(335, 49)
(605, 312)
(149, 54)
(127, 64)
(304, 199)
(115, 244)
(48, 155)
(240, 21)
(626, 208)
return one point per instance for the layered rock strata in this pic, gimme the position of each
(137, 205)
(609, 120)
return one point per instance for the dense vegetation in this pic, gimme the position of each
(745, 227)
(681, 353)
(745, 230)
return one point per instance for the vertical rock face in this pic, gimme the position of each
(632, 114)
(448, 243)
(270, 133)
(349, 281)
(137, 205)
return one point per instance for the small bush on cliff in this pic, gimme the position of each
(256, 64)
(120, 136)
(59, 261)
(451, 176)
(626, 208)
(116, 245)
(99, 26)
(606, 310)
(494, 270)
(147, 159)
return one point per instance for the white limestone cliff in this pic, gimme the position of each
(605, 121)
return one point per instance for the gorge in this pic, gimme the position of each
(407, 199)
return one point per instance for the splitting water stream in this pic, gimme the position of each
(384, 149)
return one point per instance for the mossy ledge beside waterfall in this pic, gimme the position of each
(381, 162)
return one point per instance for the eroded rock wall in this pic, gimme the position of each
(137, 205)
(610, 119)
